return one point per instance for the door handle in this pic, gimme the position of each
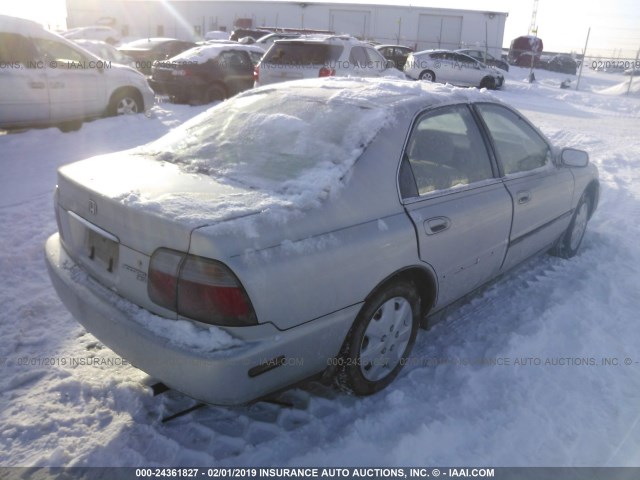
(57, 85)
(36, 85)
(436, 225)
(523, 197)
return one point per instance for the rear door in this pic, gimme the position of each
(443, 66)
(540, 190)
(24, 92)
(460, 208)
(238, 70)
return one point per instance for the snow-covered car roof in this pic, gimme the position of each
(202, 53)
(143, 42)
(255, 124)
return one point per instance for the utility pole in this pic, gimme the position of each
(633, 70)
(533, 30)
(584, 56)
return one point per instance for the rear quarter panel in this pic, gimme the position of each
(322, 260)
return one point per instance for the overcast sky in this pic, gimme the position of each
(562, 24)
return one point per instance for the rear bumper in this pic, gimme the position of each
(223, 377)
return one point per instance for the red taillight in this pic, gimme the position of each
(163, 278)
(256, 73)
(326, 72)
(198, 288)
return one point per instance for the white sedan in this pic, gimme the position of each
(455, 68)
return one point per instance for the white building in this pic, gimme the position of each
(417, 27)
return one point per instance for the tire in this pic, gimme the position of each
(212, 93)
(380, 340)
(572, 238)
(70, 126)
(125, 102)
(215, 93)
(488, 82)
(427, 76)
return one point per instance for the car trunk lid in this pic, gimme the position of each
(115, 210)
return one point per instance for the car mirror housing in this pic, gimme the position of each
(390, 64)
(572, 157)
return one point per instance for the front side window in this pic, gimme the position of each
(518, 146)
(63, 55)
(446, 150)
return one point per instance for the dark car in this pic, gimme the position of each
(560, 63)
(485, 58)
(239, 33)
(522, 50)
(396, 53)
(206, 73)
(147, 50)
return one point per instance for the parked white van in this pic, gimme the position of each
(47, 80)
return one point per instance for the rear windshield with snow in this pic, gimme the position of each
(297, 53)
(276, 141)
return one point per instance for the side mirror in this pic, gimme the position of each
(572, 157)
(390, 64)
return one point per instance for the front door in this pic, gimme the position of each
(540, 190)
(460, 209)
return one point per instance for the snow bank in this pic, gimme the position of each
(623, 88)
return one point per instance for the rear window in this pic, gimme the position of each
(283, 53)
(276, 141)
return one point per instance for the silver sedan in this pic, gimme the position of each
(308, 229)
(455, 68)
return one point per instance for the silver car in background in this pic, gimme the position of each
(314, 56)
(445, 66)
(307, 229)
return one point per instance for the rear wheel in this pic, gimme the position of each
(428, 76)
(380, 340)
(215, 93)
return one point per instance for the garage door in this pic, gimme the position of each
(439, 31)
(353, 22)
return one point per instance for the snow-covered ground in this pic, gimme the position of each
(542, 369)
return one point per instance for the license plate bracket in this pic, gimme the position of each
(102, 250)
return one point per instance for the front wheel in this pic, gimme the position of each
(488, 83)
(571, 240)
(380, 340)
(125, 103)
